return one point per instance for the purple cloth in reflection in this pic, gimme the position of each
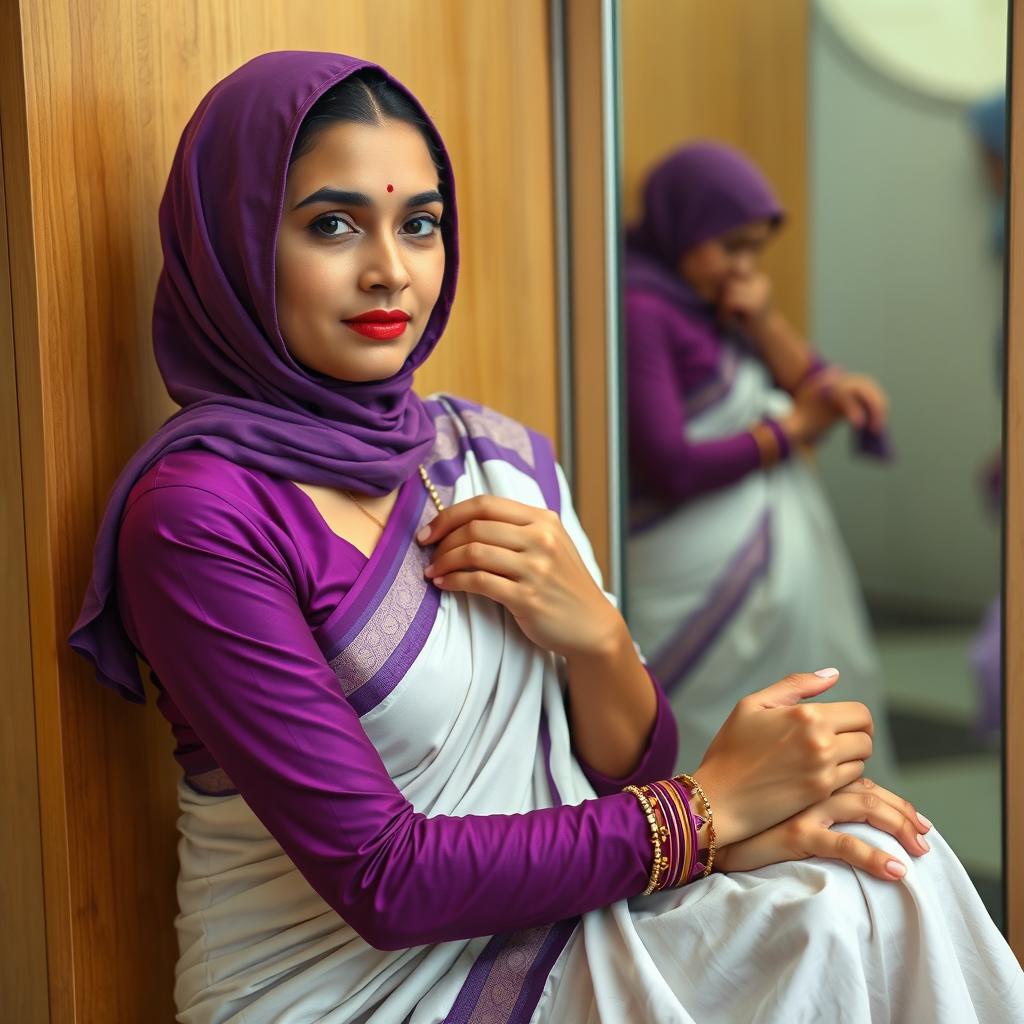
(668, 355)
(224, 575)
(986, 660)
(216, 336)
(699, 191)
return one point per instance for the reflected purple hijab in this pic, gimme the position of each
(216, 335)
(699, 191)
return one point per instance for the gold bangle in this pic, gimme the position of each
(690, 781)
(656, 864)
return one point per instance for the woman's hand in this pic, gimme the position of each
(815, 409)
(775, 756)
(809, 834)
(521, 557)
(860, 400)
(746, 302)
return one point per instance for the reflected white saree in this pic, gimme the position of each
(739, 587)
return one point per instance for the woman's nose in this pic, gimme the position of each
(743, 264)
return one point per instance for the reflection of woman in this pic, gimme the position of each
(361, 609)
(736, 568)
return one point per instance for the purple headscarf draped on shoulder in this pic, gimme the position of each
(699, 191)
(216, 335)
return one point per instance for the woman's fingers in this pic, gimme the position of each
(862, 785)
(483, 506)
(871, 809)
(485, 584)
(793, 689)
(823, 842)
(478, 557)
(853, 746)
(847, 716)
(484, 531)
(847, 774)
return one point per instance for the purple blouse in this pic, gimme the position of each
(224, 574)
(669, 357)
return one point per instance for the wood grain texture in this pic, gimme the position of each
(23, 982)
(94, 98)
(734, 71)
(1013, 530)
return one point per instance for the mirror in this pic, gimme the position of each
(834, 191)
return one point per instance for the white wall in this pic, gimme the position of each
(904, 285)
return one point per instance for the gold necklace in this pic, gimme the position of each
(362, 508)
(427, 482)
(431, 489)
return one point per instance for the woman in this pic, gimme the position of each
(397, 688)
(736, 567)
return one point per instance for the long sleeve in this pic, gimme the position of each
(664, 463)
(211, 603)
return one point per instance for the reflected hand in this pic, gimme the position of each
(814, 409)
(522, 557)
(861, 400)
(746, 302)
(809, 834)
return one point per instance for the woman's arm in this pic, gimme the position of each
(746, 304)
(209, 601)
(663, 461)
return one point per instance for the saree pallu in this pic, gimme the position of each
(742, 586)
(469, 718)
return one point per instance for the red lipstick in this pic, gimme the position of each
(379, 324)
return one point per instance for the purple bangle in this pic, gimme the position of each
(780, 437)
(818, 365)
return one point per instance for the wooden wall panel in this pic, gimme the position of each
(94, 96)
(734, 71)
(23, 986)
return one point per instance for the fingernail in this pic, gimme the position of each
(429, 571)
(423, 534)
(438, 580)
(895, 868)
(921, 842)
(827, 673)
(924, 821)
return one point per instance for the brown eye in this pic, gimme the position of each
(332, 226)
(420, 226)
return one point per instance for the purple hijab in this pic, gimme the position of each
(216, 335)
(699, 191)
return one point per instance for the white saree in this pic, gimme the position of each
(739, 587)
(468, 717)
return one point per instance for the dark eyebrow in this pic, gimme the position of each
(342, 198)
(335, 195)
(423, 198)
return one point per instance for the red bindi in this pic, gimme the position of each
(391, 188)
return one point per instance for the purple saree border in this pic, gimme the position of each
(545, 743)
(712, 391)
(375, 689)
(543, 471)
(364, 597)
(684, 650)
(503, 954)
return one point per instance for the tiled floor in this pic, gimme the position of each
(948, 772)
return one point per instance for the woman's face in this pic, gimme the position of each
(709, 267)
(359, 237)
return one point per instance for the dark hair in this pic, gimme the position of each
(367, 97)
